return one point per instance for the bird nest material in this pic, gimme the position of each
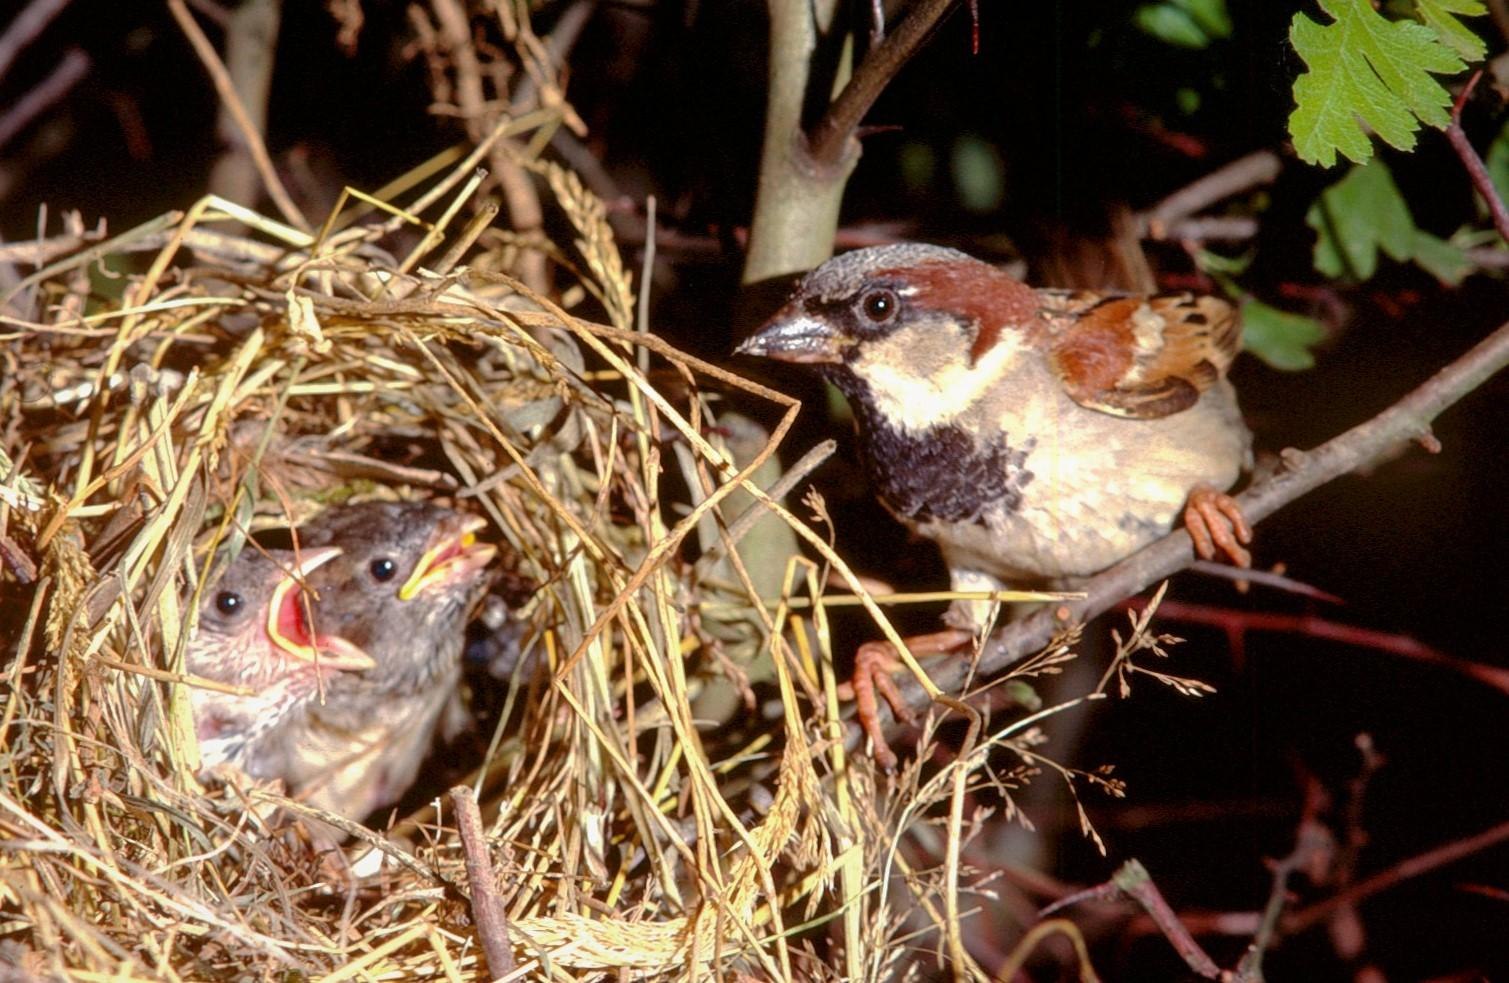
(643, 825)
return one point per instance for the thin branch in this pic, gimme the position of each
(1242, 174)
(25, 28)
(487, 908)
(1473, 163)
(46, 92)
(1312, 841)
(1365, 444)
(229, 98)
(829, 137)
(1313, 626)
(1415, 866)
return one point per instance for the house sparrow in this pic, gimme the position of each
(1037, 436)
(406, 580)
(253, 631)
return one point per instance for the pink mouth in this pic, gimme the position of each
(289, 629)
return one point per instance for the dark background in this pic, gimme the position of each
(1081, 111)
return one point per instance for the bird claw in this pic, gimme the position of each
(875, 664)
(1214, 520)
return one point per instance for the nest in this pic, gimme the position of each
(646, 818)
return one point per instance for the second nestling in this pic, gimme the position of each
(395, 585)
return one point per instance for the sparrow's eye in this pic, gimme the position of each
(383, 569)
(879, 305)
(228, 602)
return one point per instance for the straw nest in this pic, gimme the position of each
(667, 795)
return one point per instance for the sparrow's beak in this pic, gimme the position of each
(288, 621)
(794, 336)
(454, 558)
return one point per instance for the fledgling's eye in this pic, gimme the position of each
(228, 603)
(879, 305)
(383, 569)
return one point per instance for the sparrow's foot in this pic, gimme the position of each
(875, 663)
(1215, 520)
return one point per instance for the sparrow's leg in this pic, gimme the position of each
(1215, 520)
(874, 665)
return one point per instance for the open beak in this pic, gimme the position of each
(288, 621)
(793, 335)
(454, 558)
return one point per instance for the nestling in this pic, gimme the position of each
(254, 632)
(1037, 436)
(405, 584)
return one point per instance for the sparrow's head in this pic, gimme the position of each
(907, 326)
(407, 577)
(254, 621)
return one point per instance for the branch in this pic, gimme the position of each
(487, 908)
(831, 134)
(1240, 175)
(1365, 444)
(1474, 164)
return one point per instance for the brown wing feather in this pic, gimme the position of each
(1139, 357)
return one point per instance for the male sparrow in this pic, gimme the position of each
(405, 583)
(1037, 436)
(254, 632)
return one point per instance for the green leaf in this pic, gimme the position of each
(1281, 339)
(1356, 216)
(1363, 214)
(1441, 17)
(1365, 69)
(1185, 23)
(1441, 259)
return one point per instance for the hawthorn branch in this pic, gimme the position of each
(828, 138)
(1408, 419)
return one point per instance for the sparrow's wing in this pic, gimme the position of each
(1139, 357)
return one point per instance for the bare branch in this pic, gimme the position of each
(829, 137)
(487, 907)
(1474, 164)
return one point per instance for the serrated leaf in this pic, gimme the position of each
(1365, 67)
(1441, 17)
(1357, 216)
(1441, 259)
(1280, 338)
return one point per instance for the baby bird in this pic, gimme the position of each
(253, 632)
(1037, 436)
(407, 578)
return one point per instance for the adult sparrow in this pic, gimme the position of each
(253, 632)
(405, 582)
(1037, 436)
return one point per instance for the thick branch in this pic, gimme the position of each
(1408, 419)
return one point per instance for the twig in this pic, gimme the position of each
(1308, 918)
(487, 907)
(1364, 444)
(1311, 841)
(24, 29)
(1240, 175)
(46, 92)
(1317, 627)
(226, 89)
(1473, 163)
(827, 140)
(1132, 880)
